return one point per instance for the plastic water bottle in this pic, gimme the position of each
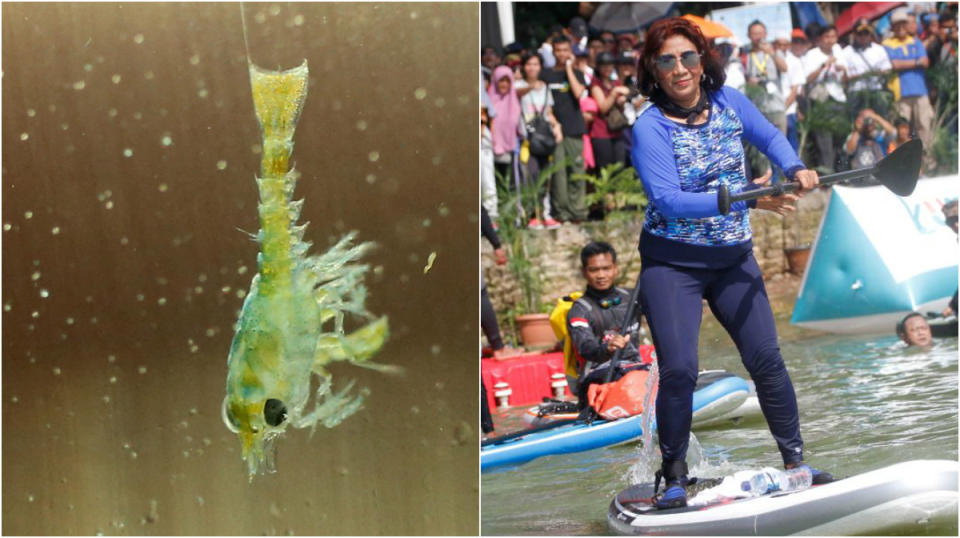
(769, 480)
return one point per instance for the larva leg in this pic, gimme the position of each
(331, 408)
(356, 347)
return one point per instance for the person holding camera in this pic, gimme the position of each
(763, 68)
(865, 145)
(611, 96)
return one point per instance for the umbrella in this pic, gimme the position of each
(869, 10)
(626, 17)
(710, 29)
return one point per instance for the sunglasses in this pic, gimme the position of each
(689, 59)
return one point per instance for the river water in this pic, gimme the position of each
(130, 147)
(865, 402)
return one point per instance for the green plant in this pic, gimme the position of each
(617, 187)
(943, 78)
(513, 232)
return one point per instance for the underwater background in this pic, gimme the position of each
(129, 153)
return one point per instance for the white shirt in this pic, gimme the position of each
(831, 78)
(872, 58)
(734, 75)
(792, 77)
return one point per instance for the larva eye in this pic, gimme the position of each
(274, 412)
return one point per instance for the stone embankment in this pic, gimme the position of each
(557, 258)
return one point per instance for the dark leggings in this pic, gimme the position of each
(672, 300)
(488, 321)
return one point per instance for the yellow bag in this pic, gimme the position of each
(525, 152)
(558, 322)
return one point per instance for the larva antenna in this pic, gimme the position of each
(246, 44)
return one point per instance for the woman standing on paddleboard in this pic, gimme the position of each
(686, 144)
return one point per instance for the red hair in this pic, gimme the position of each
(658, 34)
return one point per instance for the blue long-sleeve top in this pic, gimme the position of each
(682, 166)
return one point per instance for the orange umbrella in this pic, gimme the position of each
(710, 29)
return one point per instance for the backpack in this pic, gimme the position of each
(558, 322)
(540, 134)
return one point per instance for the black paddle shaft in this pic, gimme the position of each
(897, 172)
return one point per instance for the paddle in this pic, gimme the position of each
(897, 172)
(589, 414)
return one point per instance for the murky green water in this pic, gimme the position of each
(865, 402)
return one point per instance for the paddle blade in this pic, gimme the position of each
(899, 170)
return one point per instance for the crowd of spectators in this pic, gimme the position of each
(565, 107)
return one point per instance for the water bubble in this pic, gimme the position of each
(138, 39)
(115, 79)
(260, 17)
(111, 359)
(440, 102)
(124, 241)
(55, 230)
(112, 113)
(162, 187)
(221, 165)
(241, 293)
(420, 93)
(44, 293)
(298, 19)
(35, 314)
(7, 226)
(79, 85)
(15, 399)
(113, 380)
(426, 223)
(443, 210)
(30, 498)
(70, 321)
(109, 204)
(195, 59)
(56, 370)
(140, 297)
(31, 112)
(166, 140)
(374, 156)
(138, 115)
(362, 125)
(28, 215)
(127, 152)
(7, 307)
(242, 270)
(35, 276)
(436, 160)
(435, 349)
(24, 136)
(162, 301)
(371, 179)
(203, 93)
(142, 370)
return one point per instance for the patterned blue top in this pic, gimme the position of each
(682, 167)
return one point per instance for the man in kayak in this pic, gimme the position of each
(914, 330)
(594, 320)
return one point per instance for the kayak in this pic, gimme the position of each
(580, 436)
(730, 407)
(902, 498)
